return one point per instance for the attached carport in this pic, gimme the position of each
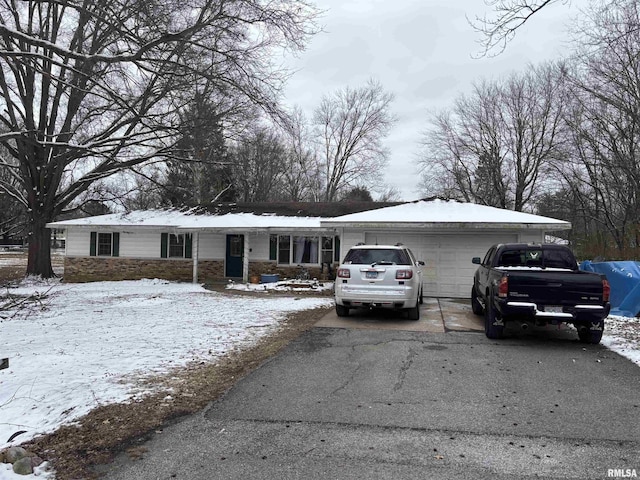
(446, 235)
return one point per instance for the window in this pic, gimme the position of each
(284, 249)
(236, 242)
(303, 249)
(384, 256)
(327, 250)
(175, 245)
(104, 244)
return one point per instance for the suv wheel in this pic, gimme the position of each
(414, 313)
(342, 311)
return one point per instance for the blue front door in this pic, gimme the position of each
(235, 253)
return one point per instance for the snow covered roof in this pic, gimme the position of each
(420, 214)
(445, 213)
(190, 220)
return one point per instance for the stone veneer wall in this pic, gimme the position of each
(95, 269)
(259, 268)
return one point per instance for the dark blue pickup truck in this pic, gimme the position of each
(538, 284)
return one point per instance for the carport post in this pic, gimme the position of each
(195, 249)
(245, 259)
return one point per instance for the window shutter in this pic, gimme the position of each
(164, 245)
(188, 245)
(92, 244)
(273, 247)
(116, 244)
(336, 249)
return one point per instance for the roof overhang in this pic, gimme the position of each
(433, 226)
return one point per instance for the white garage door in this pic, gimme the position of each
(449, 271)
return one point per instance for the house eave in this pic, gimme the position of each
(256, 229)
(440, 226)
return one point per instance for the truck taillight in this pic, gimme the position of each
(404, 274)
(606, 290)
(503, 287)
(344, 273)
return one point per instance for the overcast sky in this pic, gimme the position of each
(420, 50)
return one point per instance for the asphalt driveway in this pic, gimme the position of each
(373, 396)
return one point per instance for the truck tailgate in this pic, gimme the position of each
(555, 287)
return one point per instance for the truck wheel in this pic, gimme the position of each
(592, 333)
(414, 313)
(493, 324)
(421, 296)
(476, 306)
(342, 311)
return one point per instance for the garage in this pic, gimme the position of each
(446, 235)
(449, 271)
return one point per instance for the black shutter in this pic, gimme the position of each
(188, 245)
(92, 244)
(164, 245)
(273, 247)
(116, 244)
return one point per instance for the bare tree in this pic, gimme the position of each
(301, 175)
(495, 143)
(389, 194)
(258, 165)
(91, 88)
(602, 166)
(508, 16)
(352, 124)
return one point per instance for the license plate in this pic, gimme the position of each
(371, 275)
(553, 308)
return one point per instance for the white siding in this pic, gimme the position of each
(77, 244)
(259, 245)
(531, 236)
(140, 244)
(212, 246)
(348, 239)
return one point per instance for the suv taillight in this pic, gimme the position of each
(404, 274)
(606, 290)
(344, 273)
(503, 287)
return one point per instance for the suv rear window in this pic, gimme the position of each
(366, 256)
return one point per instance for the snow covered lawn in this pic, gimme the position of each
(88, 344)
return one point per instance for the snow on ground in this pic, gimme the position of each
(622, 335)
(88, 344)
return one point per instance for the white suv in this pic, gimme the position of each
(379, 276)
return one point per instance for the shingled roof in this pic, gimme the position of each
(300, 209)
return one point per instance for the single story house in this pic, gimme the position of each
(204, 247)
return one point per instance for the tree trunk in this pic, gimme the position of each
(39, 249)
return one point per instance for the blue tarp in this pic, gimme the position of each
(624, 278)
